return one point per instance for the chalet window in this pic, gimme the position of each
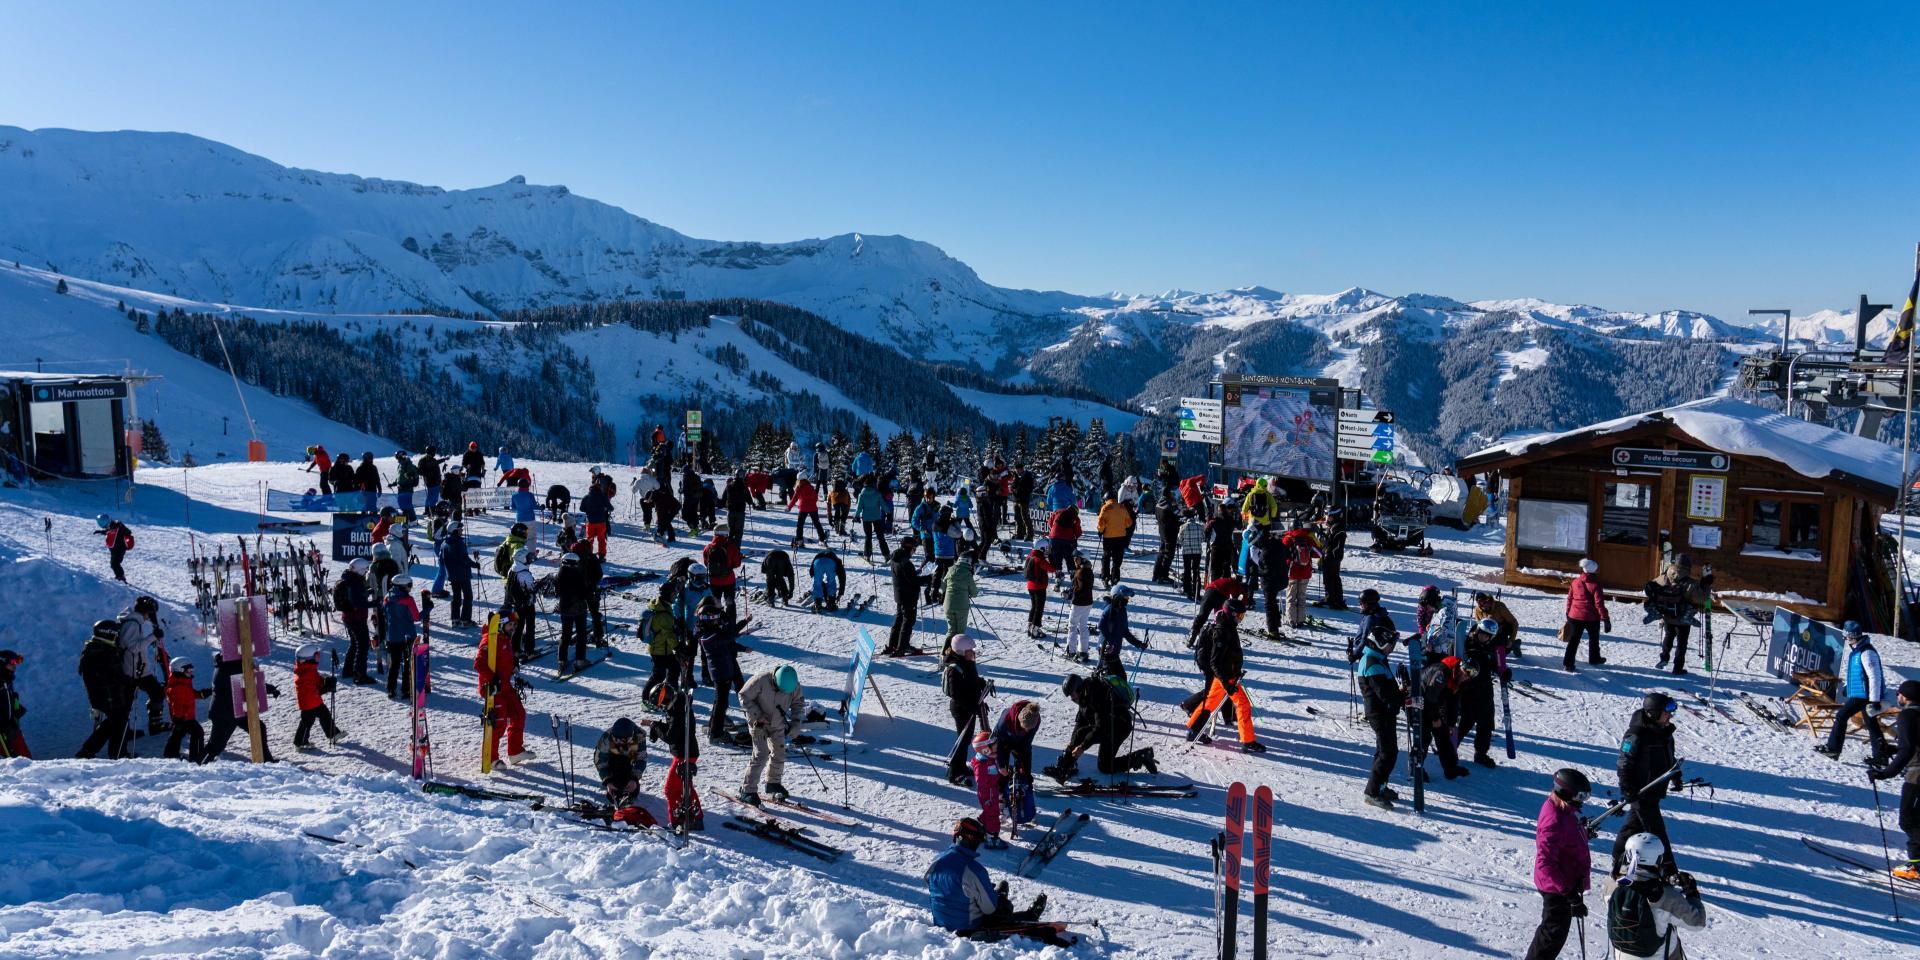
(1784, 527)
(1624, 512)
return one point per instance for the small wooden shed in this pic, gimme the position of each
(1786, 511)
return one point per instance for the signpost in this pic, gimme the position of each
(1368, 436)
(1670, 459)
(1200, 419)
(693, 426)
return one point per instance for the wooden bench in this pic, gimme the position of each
(1818, 707)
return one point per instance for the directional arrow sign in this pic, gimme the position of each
(1352, 416)
(1366, 443)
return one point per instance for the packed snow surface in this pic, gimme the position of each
(157, 858)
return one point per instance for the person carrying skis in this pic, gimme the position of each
(399, 619)
(1482, 663)
(871, 506)
(777, 568)
(519, 596)
(829, 577)
(907, 581)
(1862, 688)
(1562, 863)
(775, 707)
(962, 898)
(1013, 737)
(366, 479)
(318, 460)
(119, 540)
(458, 564)
(570, 602)
(619, 758)
(722, 558)
(1228, 666)
(1103, 724)
(1646, 752)
(406, 477)
(966, 703)
(805, 503)
(351, 598)
(13, 741)
(1382, 696)
(503, 682)
(1586, 613)
(597, 505)
(1113, 628)
(1648, 903)
(1333, 550)
(1672, 599)
(1905, 762)
(1300, 550)
(720, 651)
(1039, 570)
(183, 708)
(1114, 524)
(957, 593)
(310, 691)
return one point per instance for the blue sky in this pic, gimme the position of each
(1619, 154)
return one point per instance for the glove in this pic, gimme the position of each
(273, 691)
(1578, 909)
(521, 684)
(1686, 883)
(492, 688)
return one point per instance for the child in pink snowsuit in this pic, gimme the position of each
(986, 786)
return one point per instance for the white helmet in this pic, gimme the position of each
(697, 570)
(400, 580)
(1588, 565)
(180, 665)
(1489, 626)
(522, 556)
(307, 651)
(1643, 852)
(358, 565)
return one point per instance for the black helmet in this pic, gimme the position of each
(624, 729)
(1571, 785)
(106, 630)
(1071, 685)
(969, 832)
(1369, 597)
(1657, 702)
(146, 606)
(1430, 595)
(1236, 606)
(10, 658)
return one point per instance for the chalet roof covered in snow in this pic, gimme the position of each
(1734, 426)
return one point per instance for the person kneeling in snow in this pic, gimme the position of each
(960, 892)
(620, 758)
(1104, 723)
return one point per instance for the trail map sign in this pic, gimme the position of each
(1280, 426)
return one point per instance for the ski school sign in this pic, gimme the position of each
(1801, 644)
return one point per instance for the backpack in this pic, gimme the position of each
(1630, 923)
(946, 681)
(503, 558)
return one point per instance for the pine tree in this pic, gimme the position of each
(839, 455)
(1088, 456)
(153, 446)
(867, 441)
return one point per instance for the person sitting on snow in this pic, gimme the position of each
(620, 757)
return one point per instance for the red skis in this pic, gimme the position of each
(1262, 853)
(1230, 910)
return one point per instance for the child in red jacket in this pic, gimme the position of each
(510, 714)
(183, 706)
(310, 692)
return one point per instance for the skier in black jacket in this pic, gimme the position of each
(1646, 752)
(734, 499)
(1370, 653)
(1333, 548)
(367, 478)
(570, 602)
(1103, 723)
(1203, 659)
(1905, 763)
(221, 712)
(110, 692)
(907, 581)
(1022, 502)
(1476, 691)
(966, 703)
(1440, 682)
(777, 567)
(342, 476)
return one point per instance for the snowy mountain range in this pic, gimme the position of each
(183, 216)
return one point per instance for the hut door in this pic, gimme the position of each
(1622, 528)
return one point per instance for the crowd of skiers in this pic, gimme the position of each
(1224, 555)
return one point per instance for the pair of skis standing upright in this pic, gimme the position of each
(1226, 869)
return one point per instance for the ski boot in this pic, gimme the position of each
(516, 759)
(1253, 746)
(1485, 761)
(750, 798)
(1062, 770)
(993, 842)
(1824, 751)
(1908, 871)
(1457, 772)
(1143, 759)
(775, 791)
(1380, 800)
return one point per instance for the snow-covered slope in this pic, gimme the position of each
(149, 857)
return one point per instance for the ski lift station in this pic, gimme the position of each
(64, 425)
(1787, 511)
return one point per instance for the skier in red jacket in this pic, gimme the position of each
(1038, 569)
(806, 502)
(310, 691)
(510, 714)
(119, 540)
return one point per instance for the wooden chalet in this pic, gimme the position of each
(1786, 511)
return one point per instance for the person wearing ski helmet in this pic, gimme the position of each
(119, 540)
(1381, 695)
(1228, 664)
(1039, 569)
(1103, 723)
(1586, 614)
(497, 675)
(366, 478)
(13, 742)
(775, 707)
(1646, 753)
(1113, 629)
(310, 691)
(906, 581)
(570, 592)
(183, 708)
(961, 894)
(966, 701)
(620, 757)
(694, 590)
(1863, 686)
(399, 621)
(718, 638)
(1650, 902)
(353, 599)
(1905, 763)
(458, 564)
(1562, 863)
(1480, 656)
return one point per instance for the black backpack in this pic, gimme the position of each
(1630, 923)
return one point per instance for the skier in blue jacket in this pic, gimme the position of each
(1865, 688)
(1060, 494)
(961, 893)
(1113, 628)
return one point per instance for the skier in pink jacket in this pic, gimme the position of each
(1586, 613)
(1561, 863)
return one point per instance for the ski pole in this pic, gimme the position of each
(807, 755)
(1885, 852)
(553, 725)
(1580, 924)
